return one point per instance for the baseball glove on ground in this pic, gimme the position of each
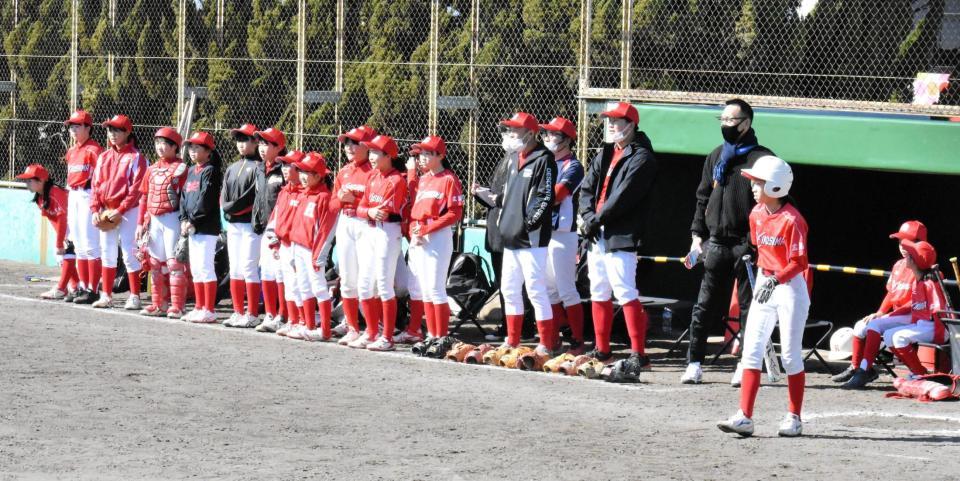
(476, 356)
(459, 352)
(591, 369)
(493, 357)
(553, 365)
(533, 361)
(511, 360)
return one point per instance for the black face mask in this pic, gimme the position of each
(730, 133)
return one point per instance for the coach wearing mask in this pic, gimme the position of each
(721, 228)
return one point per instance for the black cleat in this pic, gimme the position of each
(845, 375)
(599, 355)
(86, 297)
(861, 378)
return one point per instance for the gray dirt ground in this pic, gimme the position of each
(111, 395)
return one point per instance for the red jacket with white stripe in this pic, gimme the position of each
(56, 212)
(315, 220)
(117, 179)
(81, 159)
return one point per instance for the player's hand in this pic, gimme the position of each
(140, 232)
(96, 219)
(415, 230)
(61, 251)
(411, 163)
(114, 216)
(766, 290)
(377, 214)
(696, 245)
(346, 196)
(870, 317)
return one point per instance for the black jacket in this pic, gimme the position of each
(627, 203)
(723, 210)
(240, 189)
(199, 200)
(526, 201)
(494, 242)
(268, 187)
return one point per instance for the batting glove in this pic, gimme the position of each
(766, 290)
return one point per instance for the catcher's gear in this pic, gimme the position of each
(420, 348)
(439, 347)
(511, 360)
(776, 174)
(492, 357)
(179, 281)
(459, 351)
(181, 252)
(553, 365)
(476, 356)
(766, 290)
(105, 223)
(930, 387)
(533, 361)
(570, 367)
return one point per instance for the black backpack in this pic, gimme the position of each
(467, 282)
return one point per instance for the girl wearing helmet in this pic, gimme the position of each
(779, 233)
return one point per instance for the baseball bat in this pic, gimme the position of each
(956, 268)
(770, 355)
(946, 295)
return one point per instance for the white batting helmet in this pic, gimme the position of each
(841, 344)
(776, 174)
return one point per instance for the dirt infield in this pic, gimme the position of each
(111, 395)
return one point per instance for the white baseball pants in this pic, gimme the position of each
(379, 248)
(432, 260)
(612, 274)
(125, 234)
(164, 233)
(350, 232)
(203, 248)
(525, 267)
(243, 250)
(562, 269)
(788, 305)
(80, 229)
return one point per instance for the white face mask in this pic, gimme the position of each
(512, 144)
(618, 136)
(552, 146)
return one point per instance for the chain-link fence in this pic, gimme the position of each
(314, 68)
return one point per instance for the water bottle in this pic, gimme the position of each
(667, 317)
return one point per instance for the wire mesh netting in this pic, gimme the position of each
(315, 68)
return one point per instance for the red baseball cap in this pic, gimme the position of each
(383, 143)
(431, 143)
(246, 129)
(358, 134)
(79, 117)
(292, 157)
(119, 121)
(911, 230)
(272, 135)
(922, 253)
(35, 171)
(202, 138)
(522, 120)
(170, 134)
(562, 125)
(623, 110)
(312, 162)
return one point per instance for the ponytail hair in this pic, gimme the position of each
(43, 198)
(446, 163)
(399, 164)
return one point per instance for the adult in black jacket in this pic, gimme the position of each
(721, 229)
(524, 226)
(243, 244)
(200, 220)
(614, 203)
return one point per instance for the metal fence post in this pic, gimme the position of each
(74, 54)
(472, 129)
(338, 70)
(583, 120)
(301, 70)
(626, 43)
(433, 88)
(12, 146)
(181, 59)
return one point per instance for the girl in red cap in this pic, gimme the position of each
(899, 289)
(408, 275)
(158, 225)
(243, 244)
(383, 200)
(437, 207)
(52, 201)
(348, 190)
(115, 202)
(200, 220)
(81, 159)
(917, 321)
(281, 224)
(271, 143)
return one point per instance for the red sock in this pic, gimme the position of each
(83, 271)
(602, 324)
(545, 330)
(749, 385)
(109, 275)
(636, 318)
(871, 347)
(909, 357)
(370, 309)
(441, 318)
(253, 298)
(67, 271)
(198, 296)
(293, 312)
(310, 313)
(281, 295)
(416, 317)
(389, 309)
(95, 266)
(559, 320)
(350, 311)
(210, 296)
(237, 290)
(270, 297)
(514, 328)
(431, 314)
(795, 385)
(326, 310)
(575, 319)
(134, 278)
(857, 351)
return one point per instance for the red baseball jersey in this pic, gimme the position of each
(387, 191)
(899, 287)
(81, 160)
(56, 213)
(781, 240)
(284, 212)
(314, 219)
(436, 197)
(353, 177)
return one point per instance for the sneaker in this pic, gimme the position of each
(791, 426)
(845, 375)
(174, 313)
(861, 378)
(738, 423)
(285, 328)
(361, 342)
(737, 376)
(600, 355)
(71, 295)
(133, 303)
(104, 302)
(349, 337)
(204, 317)
(270, 324)
(406, 338)
(542, 350)
(693, 374)
(341, 329)
(315, 335)
(85, 297)
(193, 315)
(232, 320)
(382, 344)
(247, 321)
(53, 294)
(296, 332)
(153, 310)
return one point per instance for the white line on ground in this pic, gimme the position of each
(331, 345)
(879, 414)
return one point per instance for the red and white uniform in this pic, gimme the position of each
(117, 180)
(350, 227)
(56, 213)
(282, 220)
(159, 206)
(899, 294)
(310, 241)
(926, 298)
(437, 207)
(379, 244)
(81, 161)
